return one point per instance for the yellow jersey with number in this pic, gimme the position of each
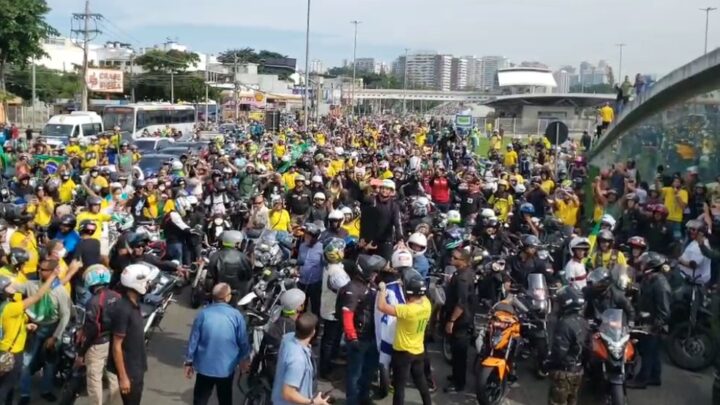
(412, 319)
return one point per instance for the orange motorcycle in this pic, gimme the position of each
(497, 345)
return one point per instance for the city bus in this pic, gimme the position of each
(134, 119)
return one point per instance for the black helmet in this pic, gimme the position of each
(527, 241)
(94, 201)
(414, 284)
(606, 235)
(22, 218)
(138, 239)
(68, 220)
(18, 256)
(570, 299)
(653, 261)
(599, 279)
(370, 264)
(88, 226)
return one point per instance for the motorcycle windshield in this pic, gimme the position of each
(537, 287)
(612, 324)
(268, 236)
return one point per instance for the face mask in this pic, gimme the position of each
(94, 174)
(218, 221)
(61, 253)
(161, 188)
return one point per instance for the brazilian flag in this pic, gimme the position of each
(51, 163)
(295, 152)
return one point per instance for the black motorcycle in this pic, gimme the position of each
(156, 301)
(68, 375)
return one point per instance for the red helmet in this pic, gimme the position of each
(637, 242)
(661, 209)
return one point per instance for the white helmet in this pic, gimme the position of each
(136, 277)
(487, 213)
(401, 259)
(579, 243)
(453, 217)
(346, 211)
(337, 277)
(336, 215)
(520, 188)
(319, 196)
(608, 219)
(261, 168)
(387, 183)
(339, 150)
(316, 179)
(420, 240)
(177, 165)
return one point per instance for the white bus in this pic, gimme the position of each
(134, 119)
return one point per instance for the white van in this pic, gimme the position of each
(78, 124)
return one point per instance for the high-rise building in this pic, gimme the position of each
(443, 72)
(316, 66)
(425, 71)
(365, 65)
(459, 74)
(591, 75)
(562, 77)
(488, 71)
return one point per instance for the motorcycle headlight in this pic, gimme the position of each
(66, 339)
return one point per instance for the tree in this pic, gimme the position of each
(50, 84)
(172, 61)
(22, 30)
(248, 55)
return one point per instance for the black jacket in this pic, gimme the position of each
(96, 329)
(356, 303)
(299, 202)
(655, 298)
(380, 221)
(612, 297)
(570, 337)
(229, 266)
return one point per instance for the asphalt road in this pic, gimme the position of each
(165, 383)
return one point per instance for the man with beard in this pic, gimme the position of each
(380, 222)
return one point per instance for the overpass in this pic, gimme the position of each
(425, 95)
(698, 77)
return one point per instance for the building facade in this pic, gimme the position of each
(459, 74)
(489, 66)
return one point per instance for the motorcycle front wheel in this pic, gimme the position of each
(447, 348)
(617, 395)
(490, 390)
(690, 348)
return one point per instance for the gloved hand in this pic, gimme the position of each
(353, 344)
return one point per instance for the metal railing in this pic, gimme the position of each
(521, 127)
(23, 116)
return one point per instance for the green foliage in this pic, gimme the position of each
(49, 84)
(247, 55)
(22, 29)
(371, 80)
(175, 61)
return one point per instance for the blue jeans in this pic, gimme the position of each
(33, 354)
(175, 251)
(676, 228)
(362, 364)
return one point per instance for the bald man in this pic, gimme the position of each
(217, 325)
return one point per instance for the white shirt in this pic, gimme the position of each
(692, 253)
(576, 274)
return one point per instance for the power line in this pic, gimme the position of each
(88, 34)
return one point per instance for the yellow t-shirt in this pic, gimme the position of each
(43, 211)
(280, 220)
(411, 322)
(511, 158)
(420, 139)
(567, 212)
(495, 142)
(353, 228)
(607, 114)
(65, 191)
(62, 273)
(279, 151)
(98, 218)
(502, 206)
(289, 179)
(73, 150)
(605, 259)
(387, 174)
(675, 211)
(13, 326)
(320, 139)
(18, 240)
(547, 186)
(100, 181)
(151, 211)
(338, 165)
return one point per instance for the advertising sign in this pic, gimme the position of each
(104, 80)
(463, 121)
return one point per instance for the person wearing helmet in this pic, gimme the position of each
(24, 238)
(177, 233)
(230, 265)
(320, 209)
(93, 214)
(638, 246)
(94, 349)
(380, 221)
(128, 337)
(310, 261)
(124, 159)
(66, 188)
(14, 325)
(333, 279)
(502, 200)
(606, 255)
(659, 234)
(299, 200)
(526, 261)
(692, 262)
(219, 200)
(655, 298)
(334, 229)
(632, 220)
(523, 223)
(490, 235)
(278, 216)
(574, 271)
(16, 259)
(402, 260)
(65, 232)
(351, 222)
(417, 243)
(606, 290)
(570, 337)
(675, 198)
(409, 344)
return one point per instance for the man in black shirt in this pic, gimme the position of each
(380, 222)
(458, 314)
(129, 359)
(88, 249)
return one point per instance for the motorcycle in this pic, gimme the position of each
(497, 348)
(198, 272)
(156, 301)
(690, 344)
(68, 375)
(612, 356)
(534, 323)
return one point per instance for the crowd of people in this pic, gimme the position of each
(373, 209)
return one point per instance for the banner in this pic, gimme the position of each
(104, 80)
(463, 121)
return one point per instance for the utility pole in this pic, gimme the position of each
(172, 87)
(207, 88)
(34, 96)
(307, 68)
(237, 91)
(87, 34)
(620, 46)
(405, 68)
(132, 76)
(707, 11)
(352, 104)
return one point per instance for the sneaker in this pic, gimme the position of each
(432, 387)
(453, 389)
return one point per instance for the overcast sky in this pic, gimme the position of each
(660, 34)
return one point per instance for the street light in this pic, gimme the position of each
(352, 100)
(707, 11)
(307, 67)
(621, 46)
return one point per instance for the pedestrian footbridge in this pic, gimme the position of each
(675, 123)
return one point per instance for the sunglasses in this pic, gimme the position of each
(45, 268)
(454, 257)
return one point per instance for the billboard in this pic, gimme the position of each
(104, 80)
(463, 121)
